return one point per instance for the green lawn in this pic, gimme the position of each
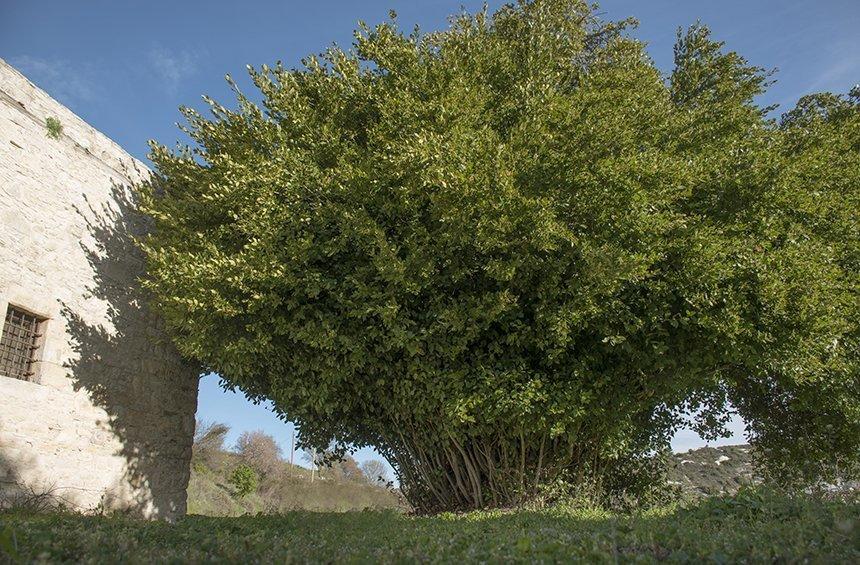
(749, 528)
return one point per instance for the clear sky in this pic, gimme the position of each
(125, 67)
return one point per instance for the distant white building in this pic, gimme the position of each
(96, 406)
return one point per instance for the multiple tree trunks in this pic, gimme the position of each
(476, 472)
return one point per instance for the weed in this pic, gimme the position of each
(54, 127)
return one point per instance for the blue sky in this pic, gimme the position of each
(125, 67)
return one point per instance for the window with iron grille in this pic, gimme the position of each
(19, 342)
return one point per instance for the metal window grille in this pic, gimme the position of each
(19, 343)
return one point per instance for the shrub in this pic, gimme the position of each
(244, 479)
(26, 497)
(514, 251)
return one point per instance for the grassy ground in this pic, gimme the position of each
(749, 527)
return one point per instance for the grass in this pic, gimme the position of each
(749, 527)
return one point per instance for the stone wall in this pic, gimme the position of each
(107, 419)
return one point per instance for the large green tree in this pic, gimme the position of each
(514, 250)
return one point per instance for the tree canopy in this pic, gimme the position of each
(514, 250)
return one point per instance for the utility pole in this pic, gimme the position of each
(292, 451)
(313, 453)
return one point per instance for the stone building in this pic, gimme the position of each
(96, 407)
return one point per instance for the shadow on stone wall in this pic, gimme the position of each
(14, 467)
(131, 370)
(20, 490)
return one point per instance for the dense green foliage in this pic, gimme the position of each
(748, 528)
(244, 479)
(514, 251)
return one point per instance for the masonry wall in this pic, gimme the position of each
(107, 419)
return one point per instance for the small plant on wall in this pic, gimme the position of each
(54, 127)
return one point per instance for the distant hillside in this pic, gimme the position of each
(706, 471)
(702, 472)
(255, 478)
(211, 493)
(712, 470)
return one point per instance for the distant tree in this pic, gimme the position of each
(244, 479)
(208, 441)
(515, 251)
(260, 450)
(375, 472)
(348, 469)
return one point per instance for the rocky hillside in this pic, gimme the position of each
(712, 470)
